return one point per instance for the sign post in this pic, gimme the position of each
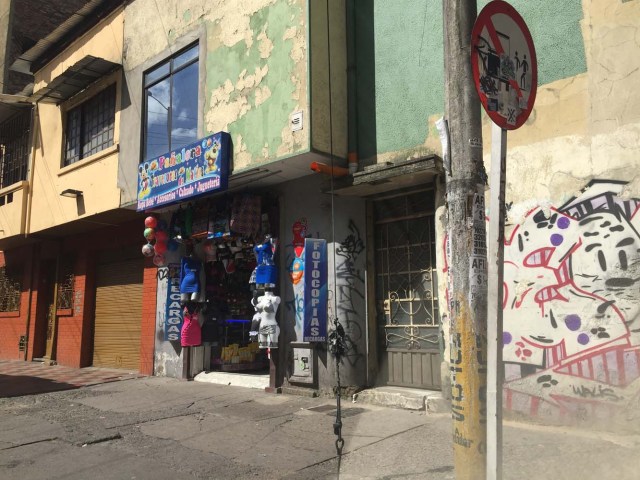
(505, 73)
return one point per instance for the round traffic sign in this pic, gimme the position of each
(504, 64)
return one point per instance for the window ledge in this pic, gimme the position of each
(86, 161)
(64, 312)
(9, 314)
(14, 187)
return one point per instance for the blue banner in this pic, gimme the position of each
(173, 312)
(195, 169)
(315, 291)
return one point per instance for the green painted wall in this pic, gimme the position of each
(400, 65)
(261, 125)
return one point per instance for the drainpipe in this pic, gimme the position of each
(36, 116)
(352, 87)
(28, 322)
(34, 124)
(329, 170)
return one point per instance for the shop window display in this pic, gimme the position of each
(228, 279)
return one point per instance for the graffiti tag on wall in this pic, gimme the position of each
(571, 305)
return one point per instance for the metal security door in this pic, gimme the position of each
(118, 315)
(406, 289)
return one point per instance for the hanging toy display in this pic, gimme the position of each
(157, 240)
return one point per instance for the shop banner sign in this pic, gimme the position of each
(315, 290)
(195, 169)
(173, 313)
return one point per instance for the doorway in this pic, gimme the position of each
(406, 300)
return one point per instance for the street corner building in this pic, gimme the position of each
(207, 186)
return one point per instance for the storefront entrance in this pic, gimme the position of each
(118, 314)
(406, 289)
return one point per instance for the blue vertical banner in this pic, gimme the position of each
(315, 290)
(173, 313)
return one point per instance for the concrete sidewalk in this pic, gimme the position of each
(27, 378)
(163, 428)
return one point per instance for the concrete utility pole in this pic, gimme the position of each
(467, 252)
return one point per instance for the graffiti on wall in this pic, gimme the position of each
(350, 290)
(571, 337)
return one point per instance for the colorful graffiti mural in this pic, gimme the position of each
(571, 306)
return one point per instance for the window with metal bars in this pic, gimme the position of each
(14, 148)
(90, 126)
(10, 289)
(66, 282)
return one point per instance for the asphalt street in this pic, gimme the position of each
(161, 428)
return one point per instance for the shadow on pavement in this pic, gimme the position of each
(18, 385)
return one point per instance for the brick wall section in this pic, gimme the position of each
(14, 324)
(75, 329)
(148, 327)
(74, 342)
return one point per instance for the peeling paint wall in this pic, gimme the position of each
(400, 69)
(254, 73)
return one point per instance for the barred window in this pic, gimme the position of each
(90, 126)
(10, 289)
(14, 148)
(65, 284)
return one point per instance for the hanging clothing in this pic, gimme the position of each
(190, 268)
(191, 333)
(245, 214)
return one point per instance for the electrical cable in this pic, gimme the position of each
(336, 338)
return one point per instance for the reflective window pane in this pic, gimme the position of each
(157, 127)
(157, 73)
(185, 57)
(171, 104)
(184, 111)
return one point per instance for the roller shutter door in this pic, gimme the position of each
(118, 315)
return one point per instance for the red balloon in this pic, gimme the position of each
(162, 236)
(160, 247)
(150, 222)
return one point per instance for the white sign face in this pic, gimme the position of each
(504, 65)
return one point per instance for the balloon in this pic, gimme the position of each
(149, 234)
(158, 260)
(162, 236)
(148, 250)
(160, 247)
(150, 222)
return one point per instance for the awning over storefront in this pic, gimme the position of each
(75, 79)
(385, 177)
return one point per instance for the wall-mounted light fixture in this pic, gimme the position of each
(70, 192)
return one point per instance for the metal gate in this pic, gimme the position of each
(118, 315)
(406, 289)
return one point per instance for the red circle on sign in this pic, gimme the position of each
(506, 94)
